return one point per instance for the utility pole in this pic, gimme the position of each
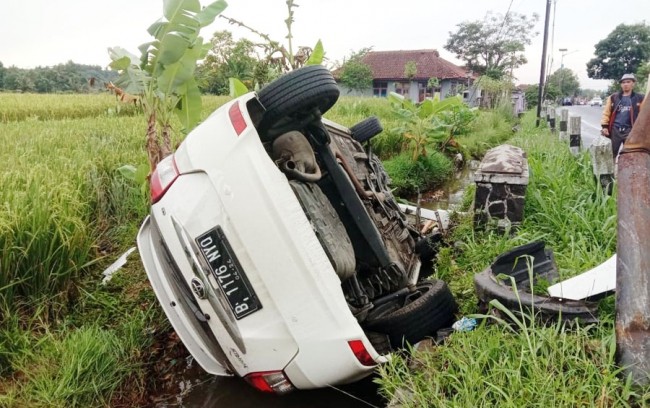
(563, 51)
(543, 69)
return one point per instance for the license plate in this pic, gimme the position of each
(228, 273)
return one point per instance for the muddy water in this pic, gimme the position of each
(222, 392)
(450, 195)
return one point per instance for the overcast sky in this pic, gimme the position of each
(48, 32)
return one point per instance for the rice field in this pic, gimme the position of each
(65, 213)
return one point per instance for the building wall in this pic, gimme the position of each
(413, 94)
(345, 91)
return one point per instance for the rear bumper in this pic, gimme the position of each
(194, 333)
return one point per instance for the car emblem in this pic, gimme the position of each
(198, 288)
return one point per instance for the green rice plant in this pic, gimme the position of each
(60, 193)
(350, 110)
(42, 107)
(80, 369)
(211, 102)
(45, 239)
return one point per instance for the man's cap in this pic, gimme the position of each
(627, 76)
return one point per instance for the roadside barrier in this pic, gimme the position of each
(575, 140)
(564, 125)
(600, 150)
(551, 119)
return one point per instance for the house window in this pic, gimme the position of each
(402, 88)
(425, 91)
(379, 88)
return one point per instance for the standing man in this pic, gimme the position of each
(620, 112)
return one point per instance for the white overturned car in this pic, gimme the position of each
(276, 248)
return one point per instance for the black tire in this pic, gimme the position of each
(430, 308)
(366, 129)
(298, 94)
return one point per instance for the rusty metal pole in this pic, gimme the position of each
(633, 253)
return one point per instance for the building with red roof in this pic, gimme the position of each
(392, 71)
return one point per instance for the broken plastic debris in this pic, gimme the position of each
(115, 266)
(464, 325)
(598, 280)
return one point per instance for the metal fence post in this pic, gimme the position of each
(633, 253)
(575, 141)
(564, 125)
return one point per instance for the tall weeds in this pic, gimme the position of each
(533, 365)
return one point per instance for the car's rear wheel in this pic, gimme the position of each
(303, 93)
(366, 129)
(410, 319)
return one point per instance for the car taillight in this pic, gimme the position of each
(360, 352)
(270, 381)
(236, 118)
(163, 177)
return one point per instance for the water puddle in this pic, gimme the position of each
(450, 195)
(219, 392)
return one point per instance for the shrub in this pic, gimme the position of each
(426, 172)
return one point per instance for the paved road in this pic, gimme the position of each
(590, 122)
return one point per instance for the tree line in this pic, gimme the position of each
(61, 78)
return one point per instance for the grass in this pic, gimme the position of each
(534, 365)
(494, 366)
(426, 173)
(489, 129)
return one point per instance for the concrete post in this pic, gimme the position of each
(564, 125)
(575, 141)
(549, 107)
(501, 182)
(633, 253)
(602, 162)
(551, 118)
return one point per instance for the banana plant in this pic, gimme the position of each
(163, 74)
(425, 125)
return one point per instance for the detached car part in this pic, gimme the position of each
(520, 264)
